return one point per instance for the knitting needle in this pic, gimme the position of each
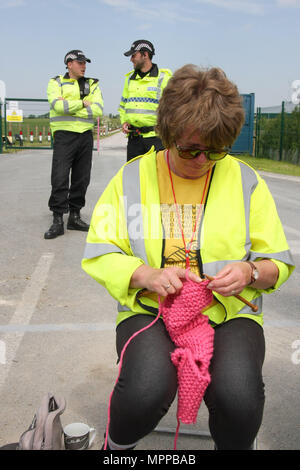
(253, 307)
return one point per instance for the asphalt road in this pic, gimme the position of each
(57, 324)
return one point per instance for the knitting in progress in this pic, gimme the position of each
(190, 331)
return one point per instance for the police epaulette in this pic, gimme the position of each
(90, 78)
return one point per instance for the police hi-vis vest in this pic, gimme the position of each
(240, 222)
(68, 113)
(140, 98)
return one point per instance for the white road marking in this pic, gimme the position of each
(24, 312)
(7, 302)
(289, 200)
(57, 327)
(295, 179)
(291, 230)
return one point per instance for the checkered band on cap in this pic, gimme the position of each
(141, 46)
(71, 56)
(75, 55)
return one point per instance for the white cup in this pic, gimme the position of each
(78, 436)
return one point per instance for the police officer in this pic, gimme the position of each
(141, 93)
(75, 103)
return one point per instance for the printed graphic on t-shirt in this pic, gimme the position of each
(174, 246)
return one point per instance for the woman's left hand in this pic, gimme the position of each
(232, 279)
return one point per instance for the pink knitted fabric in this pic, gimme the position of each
(190, 331)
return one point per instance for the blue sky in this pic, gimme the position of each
(255, 42)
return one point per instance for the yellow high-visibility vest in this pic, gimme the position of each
(240, 222)
(69, 113)
(140, 98)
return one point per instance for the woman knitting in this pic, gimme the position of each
(165, 222)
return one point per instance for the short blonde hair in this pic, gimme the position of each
(202, 100)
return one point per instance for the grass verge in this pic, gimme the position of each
(272, 166)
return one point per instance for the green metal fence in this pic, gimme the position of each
(25, 124)
(278, 133)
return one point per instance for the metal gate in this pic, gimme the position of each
(244, 142)
(278, 133)
(25, 124)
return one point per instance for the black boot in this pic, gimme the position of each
(57, 228)
(75, 222)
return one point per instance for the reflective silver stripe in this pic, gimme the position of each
(66, 106)
(58, 80)
(89, 112)
(132, 197)
(67, 83)
(140, 111)
(71, 118)
(93, 250)
(123, 308)
(211, 269)
(53, 103)
(247, 310)
(160, 80)
(100, 106)
(284, 256)
(249, 183)
(94, 90)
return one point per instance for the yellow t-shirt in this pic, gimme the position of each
(189, 194)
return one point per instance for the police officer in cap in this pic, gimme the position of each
(75, 102)
(141, 93)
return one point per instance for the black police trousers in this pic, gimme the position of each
(139, 145)
(147, 383)
(71, 170)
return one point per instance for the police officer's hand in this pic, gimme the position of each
(86, 103)
(125, 128)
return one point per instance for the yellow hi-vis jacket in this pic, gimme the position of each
(140, 98)
(70, 114)
(240, 222)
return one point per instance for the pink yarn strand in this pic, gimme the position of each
(178, 313)
(120, 368)
(176, 434)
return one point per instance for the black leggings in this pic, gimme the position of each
(148, 382)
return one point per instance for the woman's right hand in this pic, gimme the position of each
(163, 281)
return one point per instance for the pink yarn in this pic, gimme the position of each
(190, 331)
(120, 368)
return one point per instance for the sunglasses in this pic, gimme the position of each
(210, 154)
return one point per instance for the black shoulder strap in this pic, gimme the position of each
(84, 87)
